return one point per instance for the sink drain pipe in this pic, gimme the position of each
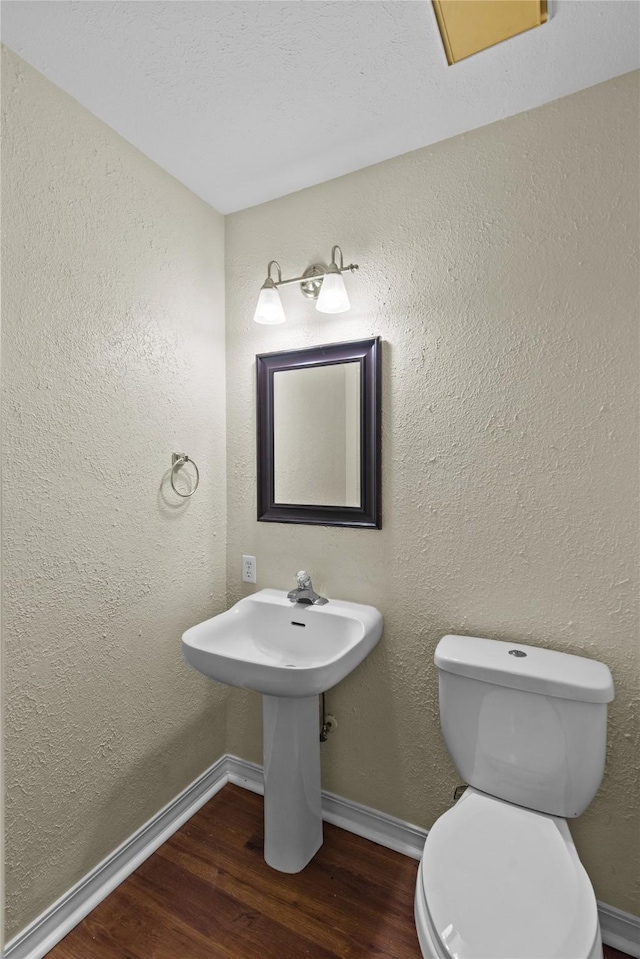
(327, 723)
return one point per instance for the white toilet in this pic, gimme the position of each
(500, 877)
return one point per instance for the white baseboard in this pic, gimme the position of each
(619, 929)
(243, 773)
(376, 826)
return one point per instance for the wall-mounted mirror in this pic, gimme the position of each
(319, 435)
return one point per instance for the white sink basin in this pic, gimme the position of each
(279, 648)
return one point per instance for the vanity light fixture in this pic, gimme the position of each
(324, 284)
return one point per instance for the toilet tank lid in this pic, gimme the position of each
(543, 671)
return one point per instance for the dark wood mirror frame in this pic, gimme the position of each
(368, 515)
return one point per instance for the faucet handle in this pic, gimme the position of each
(303, 579)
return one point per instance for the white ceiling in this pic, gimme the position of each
(247, 100)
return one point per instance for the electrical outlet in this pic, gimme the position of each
(248, 569)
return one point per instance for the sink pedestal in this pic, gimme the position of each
(292, 791)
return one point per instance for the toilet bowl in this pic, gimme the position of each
(500, 877)
(497, 881)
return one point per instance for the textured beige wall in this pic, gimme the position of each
(113, 357)
(500, 268)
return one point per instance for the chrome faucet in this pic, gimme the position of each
(304, 593)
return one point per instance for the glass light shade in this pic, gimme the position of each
(269, 309)
(333, 294)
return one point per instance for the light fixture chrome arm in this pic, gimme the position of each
(270, 279)
(318, 273)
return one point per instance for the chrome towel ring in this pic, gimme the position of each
(178, 460)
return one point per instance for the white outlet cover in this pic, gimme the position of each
(248, 569)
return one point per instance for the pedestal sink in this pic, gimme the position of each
(290, 653)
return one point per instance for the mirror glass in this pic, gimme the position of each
(316, 430)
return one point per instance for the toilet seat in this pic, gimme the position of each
(498, 881)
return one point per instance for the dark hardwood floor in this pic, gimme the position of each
(208, 894)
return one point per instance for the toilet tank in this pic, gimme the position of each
(524, 724)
